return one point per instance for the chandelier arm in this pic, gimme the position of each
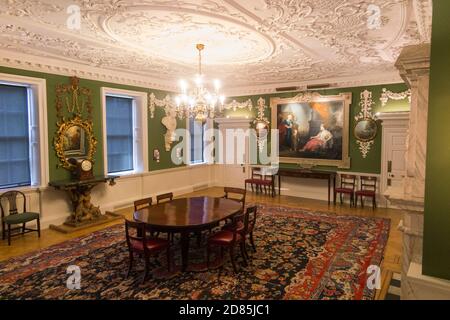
(199, 62)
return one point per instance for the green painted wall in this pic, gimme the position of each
(436, 246)
(155, 128)
(372, 163)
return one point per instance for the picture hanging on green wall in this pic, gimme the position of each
(366, 127)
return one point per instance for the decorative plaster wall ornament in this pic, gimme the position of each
(261, 124)
(366, 128)
(387, 94)
(234, 105)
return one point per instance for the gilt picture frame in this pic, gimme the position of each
(313, 129)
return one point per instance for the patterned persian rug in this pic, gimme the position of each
(300, 255)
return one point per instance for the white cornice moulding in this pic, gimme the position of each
(52, 66)
(335, 83)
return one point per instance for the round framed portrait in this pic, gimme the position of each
(366, 130)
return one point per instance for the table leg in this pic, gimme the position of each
(273, 187)
(329, 188)
(184, 250)
(279, 185)
(334, 184)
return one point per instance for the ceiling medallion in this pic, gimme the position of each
(199, 102)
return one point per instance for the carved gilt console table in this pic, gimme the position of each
(84, 213)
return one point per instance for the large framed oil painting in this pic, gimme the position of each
(313, 129)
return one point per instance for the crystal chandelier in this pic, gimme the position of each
(199, 102)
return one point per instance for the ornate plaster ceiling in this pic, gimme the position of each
(252, 45)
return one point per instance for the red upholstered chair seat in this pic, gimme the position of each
(152, 244)
(368, 193)
(223, 237)
(344, 190)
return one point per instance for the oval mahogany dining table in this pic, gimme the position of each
(186, 216)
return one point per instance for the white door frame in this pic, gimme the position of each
(392, 122)
(234, 124)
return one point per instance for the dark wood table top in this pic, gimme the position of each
(188, 213)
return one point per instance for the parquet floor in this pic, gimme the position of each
(392, 259)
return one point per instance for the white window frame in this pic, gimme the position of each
(38, 129)
(206, 139)
(140, 129)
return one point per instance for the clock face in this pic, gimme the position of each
(86, 165)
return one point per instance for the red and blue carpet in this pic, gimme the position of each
(300, 255)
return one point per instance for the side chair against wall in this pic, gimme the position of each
(255, 178)
(368, 189)
(260, 179)
(139, 243)
(16, 218)
(347, 186)
(166, 197)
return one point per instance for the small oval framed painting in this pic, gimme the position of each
(366, 130)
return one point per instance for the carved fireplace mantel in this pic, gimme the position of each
(414, 67)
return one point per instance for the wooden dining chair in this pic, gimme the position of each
(166, 197)
(347, 187)
(14, 217)
(268, 182)
(227, 239)
(255, 178)
(241, 194)
(142, 203)
(368, 189)
(245, 227)
(139, 243)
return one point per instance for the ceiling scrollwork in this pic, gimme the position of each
(249, 44)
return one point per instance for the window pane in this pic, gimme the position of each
(119, 131)
(197, 145)
(14, 137)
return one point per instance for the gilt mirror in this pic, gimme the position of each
(74, 139)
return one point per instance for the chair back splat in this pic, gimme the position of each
(11, 197)
(142, 203)
(235, 191)
(166, 197)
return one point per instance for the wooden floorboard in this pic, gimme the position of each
(391, 262)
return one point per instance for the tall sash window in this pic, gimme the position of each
(14, 136)
(119, 128)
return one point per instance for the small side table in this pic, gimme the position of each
(84, 213)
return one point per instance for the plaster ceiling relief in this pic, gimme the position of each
(249, 44)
